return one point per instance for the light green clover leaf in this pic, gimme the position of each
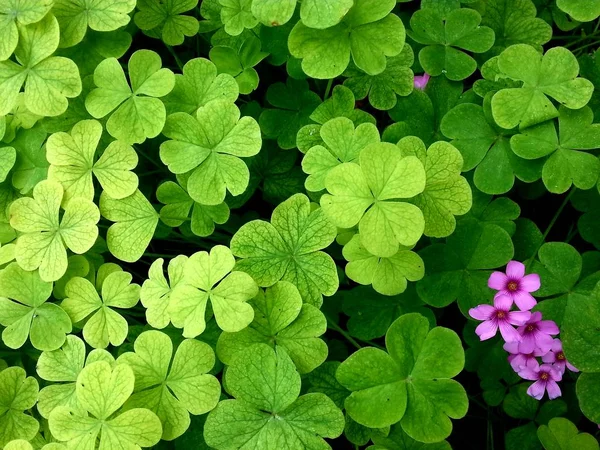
(411, 383)
(367, 195)
(562, 434)
(342, 143)
(211, 145)
(75, 16)
(580, 10)
(104, 325)
(566, 164)
(554, 74)
(139, 113)
(101, 391)
(8, 157)
(288, 249)
(207, 276)
(172, 389)
(198, 85)
(210, 10)
(265, 384)
(72, 163)
(45, 236)
(368, 32)
(24, 311)
(281, 320)
(49, 80)
(493, 79)
(236, 16)
(21, 444)
(18, 12)
(31, 165)
(445, 38)
(156, 290)
(18, 393)
(316, 14)
(62, 367)
(273, 13)
(165, 19)
(136, 221)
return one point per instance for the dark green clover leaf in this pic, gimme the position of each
(562, 434)
(165, 19)
(588, 202)
(397, 439)
(588, 388)
(31, 165)
(493, 79)
(580, 10)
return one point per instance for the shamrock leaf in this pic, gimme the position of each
(18, 393)
(281, 320)
(228, 298)
(48, 80)
(25, 312)
(368, 32)
(561, 434)
(316, 14)
(45, 236)
(101, 391)
(588, 386)
(445, 38)
(72, 163)
(397, 439)
(172, 388)
(342, 143)
(62, 367)
(8, 157)
(199, 85)
(493, 79)
(104, 325)
(165, 19)
(135, 220)
(287, 249)
(273, 14)
(140, 113)
(75, 16)
(566, 165)
(382, 177)
(18, 13)
(554, 74)
(31, 165)
(236, 15)
(580, 10)
(411, 383)
(265, 384)
(210, 145)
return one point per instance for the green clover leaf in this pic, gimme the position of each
(580, 10)
(236, 16)
(49, 80)
(273, 13)
(172, 389)
(554, 74)
(288, 249)
(25, 312)
(588, 386)
(210, 10)
(18, 393)
(45, 236)
(104, 324)
(367, 195)
(31, 165)
(101, 391)
(207, 276)
(13, 13)
(493, 79)
(211, 145)
(368, 32)
(316, 14)
(562, 434)
(411, 383)
(281, 320)
(265, 384)
(21, 444)
(8, 157)
(397, 439)
(72, 163)
(165, 19)
(139, 114)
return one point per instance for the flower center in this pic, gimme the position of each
(560, 356)
(530, 328)
(544, 376)
(512, 286)
(501, 315)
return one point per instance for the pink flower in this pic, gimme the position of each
(520, 360)
(557, 357)
(545, 377)
(499, 316)
(536, 334)
(516, 284)
(421, 81)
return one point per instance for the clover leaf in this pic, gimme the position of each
(135, 220)
(316, 14)
(367, 195)
(273, 14)
(13, 14)
(281, 320)
(45, 236)
(165, 19)
(562, 434)
(18, 393)
(75, 16)
(566, 164)
(21, 444)
(101, 391)
(49, 80)
(265, 384)
(172, 388)
(554, 74)
(31, 165)
(368, 32)
(288, 249)
(211, 151)
(397, 439)
(236, 15)
(8, 157)
(138, 111)
(411, 383)
(580, 10)
(104, 324)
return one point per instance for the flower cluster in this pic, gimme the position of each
(533, 337)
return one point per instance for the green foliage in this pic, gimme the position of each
(18, 393)
(165, 19)
(562, 434)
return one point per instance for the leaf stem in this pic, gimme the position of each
(174, 55)
(334, 326)
(328, 89)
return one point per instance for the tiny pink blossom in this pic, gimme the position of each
(516, 284)
(499, 316)
(519, 360)
(536, 334)
(557, 357)
(421, 81)
(545, 377)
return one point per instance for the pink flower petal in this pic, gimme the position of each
(497, 281)
(511, 347)
(482, 312)
(555, 374)
(421, 81)
(530, 283)
(529, 373)
(509, 334)
(542, 341)
(571, 367)
(535, 317)
(527, 344)
(549, 358)
(557, 346)
(515, 270)
(524, 300)
(553, 390)
(518, 317)
(502, 302)
(536, 390)
(486, 330)
(548, 327)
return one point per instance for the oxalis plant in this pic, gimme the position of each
(299, 224)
